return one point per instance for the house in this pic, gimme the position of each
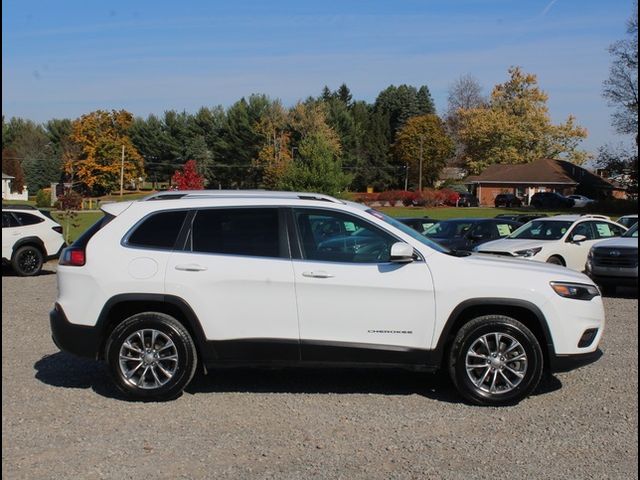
(544, 175)
(6, 189)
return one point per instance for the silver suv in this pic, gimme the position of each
(614, 263)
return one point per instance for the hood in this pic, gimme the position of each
(523, 266)
(618, 242)
(510, 245)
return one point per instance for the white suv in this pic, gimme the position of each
(563, 239)
(181, 279)
(29, 238)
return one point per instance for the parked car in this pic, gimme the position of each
(467, 200)
(29, 238)
(628, 220)
(507, 200)
(521, 217)
(562, 240)
(580, 201)
(419, 224)
(163, 285)
(550, 200)
(614, 263)
(464, 234)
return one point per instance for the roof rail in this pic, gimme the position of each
(191, 194)
(593, 215)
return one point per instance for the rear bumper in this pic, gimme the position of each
(77, 339)
(57, 254)
(565, 363)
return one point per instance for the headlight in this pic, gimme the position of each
(530, 252)
(577, 291)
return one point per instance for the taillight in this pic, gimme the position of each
(57, 228)
(73, 257)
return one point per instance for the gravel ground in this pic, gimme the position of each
(61, 418)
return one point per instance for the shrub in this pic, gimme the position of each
(69, 200)
(43, 198)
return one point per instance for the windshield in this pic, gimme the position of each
(542, 230)
(449, 229)
(632, 232)
(409, 231)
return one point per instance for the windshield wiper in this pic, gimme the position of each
(459, 253)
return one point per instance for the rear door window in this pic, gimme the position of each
(8, 220)
(607, 230)
(27, 218)
(253, 232)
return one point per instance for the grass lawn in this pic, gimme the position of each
(445, 213)
(83, 221)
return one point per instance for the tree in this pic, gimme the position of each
(403, 102)
(318, 169)
(275, 154)
(465, 93)
(188, 178)
(621, 88)
(515, 127)
(425, 138)
(11, 165)
(621, 165)
(100, 136)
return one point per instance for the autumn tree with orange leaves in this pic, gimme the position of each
(96, 160)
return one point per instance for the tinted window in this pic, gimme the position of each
(27, 218)
(159, 230)
(252, 232)
(8, 220)
(337, 237)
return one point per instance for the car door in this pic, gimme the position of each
(235, 272)
(575, 253)
(354, 305)
(10, 234)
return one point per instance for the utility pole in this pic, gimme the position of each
(406, 177)
(122, 174)
(420, 177)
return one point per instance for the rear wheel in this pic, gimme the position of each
(151, 356)
(27, 261)
(495, 360)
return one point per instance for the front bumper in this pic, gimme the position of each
(565, 363)
(77, 339)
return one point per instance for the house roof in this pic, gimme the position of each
(6, 177)
(540, 172)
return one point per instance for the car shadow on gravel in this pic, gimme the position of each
(68, 371)
(7, 271)
(630, 293)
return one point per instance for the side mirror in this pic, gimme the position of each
(578, 238)
(401, 253)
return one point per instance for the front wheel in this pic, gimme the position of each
(151, 356)
(495, 360)
(555, 260)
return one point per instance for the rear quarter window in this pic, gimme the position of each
(158, 231)
(27, 218)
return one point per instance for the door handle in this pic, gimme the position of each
(191, 267)
(318, 274)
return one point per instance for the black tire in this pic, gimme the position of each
(183, 348)
(556, 260)
(27, 261)
(469, 334)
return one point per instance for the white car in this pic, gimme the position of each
(614, 263)
(179, 280)
(563, 239)
(580, 201)
(29, 238)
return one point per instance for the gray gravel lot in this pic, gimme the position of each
(61, 418)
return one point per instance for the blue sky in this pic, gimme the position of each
(63, 59)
